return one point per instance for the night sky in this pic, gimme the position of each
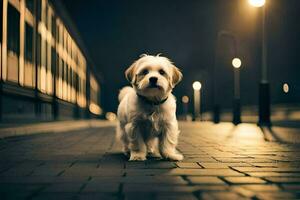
(116, 32)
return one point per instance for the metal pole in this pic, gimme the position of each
(196, 103)
(264, 88)
(200, 115)
(264, 70)
(216, 104)
(185, 110)
(236, 83)
(236, 101)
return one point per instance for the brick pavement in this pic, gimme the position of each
(221, 162)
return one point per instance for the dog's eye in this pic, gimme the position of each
(145, 71)
(162, 72)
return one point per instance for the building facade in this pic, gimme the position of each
(45, 72)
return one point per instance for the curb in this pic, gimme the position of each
(53, 127)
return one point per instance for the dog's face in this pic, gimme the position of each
(153, 76)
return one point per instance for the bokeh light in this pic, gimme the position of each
(110, 116)
(236, 63)
(257, 3)
(285, 88)
(197, 85)
(185, 99)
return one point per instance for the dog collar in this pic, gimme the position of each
(155, 103)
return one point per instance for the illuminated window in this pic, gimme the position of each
(29, 68)
(49, 52)
(39, 58)
(73, 85)
(65, 90)
(60, 76)
(13, 43)
(43, 65)
(53, 60)
(94, 96)
(68, 82)
(1, 18)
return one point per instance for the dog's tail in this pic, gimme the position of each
(124, 91)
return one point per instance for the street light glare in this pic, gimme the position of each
(185, 99)
(257, 3)
(285, 88)
(197, 85)
(236, 63)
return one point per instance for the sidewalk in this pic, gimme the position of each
(221, 162)
(52, 127)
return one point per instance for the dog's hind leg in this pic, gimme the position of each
(122, 137)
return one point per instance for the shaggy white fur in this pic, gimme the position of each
(147, 110)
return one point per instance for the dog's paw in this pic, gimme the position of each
(174, 156)
(137, 156)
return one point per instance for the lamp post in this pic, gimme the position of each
(264, 110)
(216, 103)
(185, 102)
(236, 63)
(197, 100)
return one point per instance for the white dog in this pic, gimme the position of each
(147, 110)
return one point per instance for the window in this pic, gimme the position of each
(38, 58)
(29, 67)
(59, 78)
(39, 9)
(30, 5)
(65, 91)
(28, 43)
(13, 43)
(49, 55)
(53, 24)
(1, 18)
(53, 60)
(94, 96)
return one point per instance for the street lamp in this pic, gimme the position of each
(197, 99)
(236, 63)
(257, 3)
(185, 101)
(285, 88)
(264, 88)
(215, 100)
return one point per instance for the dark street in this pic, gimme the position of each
(131, 99)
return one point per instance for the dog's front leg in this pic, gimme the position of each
(137, 146)
(152, 147)
(168, 142)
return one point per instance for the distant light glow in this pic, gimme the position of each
(185, 99)
(94, 108)
(257, 3)
(236, 63)
(110, 116)
(285, 88)
(197, 85)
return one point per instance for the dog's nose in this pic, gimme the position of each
(153, 80)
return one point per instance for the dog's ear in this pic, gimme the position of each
(129, 73)
(176, 75)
